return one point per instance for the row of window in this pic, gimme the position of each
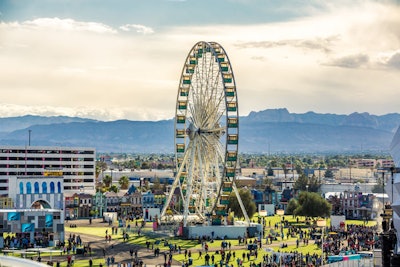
(41, 173)
(67, 158)
(36, 188)
(21, 165)
(78, 180)
(29, 151)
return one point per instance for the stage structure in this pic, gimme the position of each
(206, 139)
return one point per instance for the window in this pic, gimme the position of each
(52, 188)
(44, 187)
(21, 188)
(58, 187)
(36, 187)
(28, 188)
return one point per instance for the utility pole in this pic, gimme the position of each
(29, 137)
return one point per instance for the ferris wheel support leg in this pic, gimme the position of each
(174, 185)
(201, 202)
(246, 217)
(189, 188)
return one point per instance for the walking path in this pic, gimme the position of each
(120, 250)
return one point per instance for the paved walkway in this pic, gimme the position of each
(117, 248)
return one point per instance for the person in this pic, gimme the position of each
(90, 262)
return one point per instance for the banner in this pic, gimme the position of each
(27, 227)
(13, 216)
(49, 221)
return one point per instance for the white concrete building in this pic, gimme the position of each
(77, 166)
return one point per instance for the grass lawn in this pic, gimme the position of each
(97, 231)
(194, 247)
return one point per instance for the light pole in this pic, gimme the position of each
(280, 212)
(322, 224)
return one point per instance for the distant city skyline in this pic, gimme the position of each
(122, 59)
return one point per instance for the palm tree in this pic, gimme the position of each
(107, 180)
(113, 188)
(124, 182)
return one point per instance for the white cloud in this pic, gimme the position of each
(351, 61)
(64, 24)
(137, 28)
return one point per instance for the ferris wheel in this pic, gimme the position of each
(206, 137)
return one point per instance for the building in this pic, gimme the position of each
(113, 201)
(99, 204)
(76, 165)
(85, 205)
(37, 192)
(353, 204)
(37, 216)
(148, 200)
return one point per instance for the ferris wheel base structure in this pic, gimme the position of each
(221, 231)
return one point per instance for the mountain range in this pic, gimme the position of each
(267, 131)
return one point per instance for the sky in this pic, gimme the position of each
(122, 59)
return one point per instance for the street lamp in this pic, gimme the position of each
(322, 224)
(280, 212)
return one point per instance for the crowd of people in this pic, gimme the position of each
(352, 239)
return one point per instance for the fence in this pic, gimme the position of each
(369, 262)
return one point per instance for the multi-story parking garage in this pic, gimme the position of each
(76, 165)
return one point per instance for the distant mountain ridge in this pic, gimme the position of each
(388, 122)
(267, 131)
(10, 124)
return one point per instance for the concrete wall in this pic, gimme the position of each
(231, 231)
(365, 188)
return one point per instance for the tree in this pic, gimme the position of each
(314, 184)
(285, 170)
(328, 173)
(113, 188)
(268, 182)
(156, 184)
(313, 205)
(301, 183)
(292, 206)
(336, 207)
(124, 182)
(270, 171)
(247, 200)
(299, 169)
(100, 167)
(107, 180)
(145, 166)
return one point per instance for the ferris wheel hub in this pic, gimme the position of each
(191, 131)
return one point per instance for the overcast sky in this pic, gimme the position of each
(122, 59)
